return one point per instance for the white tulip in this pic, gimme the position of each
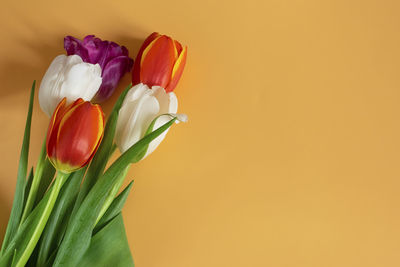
(140, 107)
(70, 77)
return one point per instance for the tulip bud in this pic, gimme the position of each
(113, 59)
(140, 107)
(74, 134)
(69, 77)
(160, 62)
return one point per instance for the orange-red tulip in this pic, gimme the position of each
(74, 134)
(160, 61)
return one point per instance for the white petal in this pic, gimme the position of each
(134, 118)
(81, 81)
(51, 78)
(70, 77)
(168, 104)
(136, 92)
(140, 107)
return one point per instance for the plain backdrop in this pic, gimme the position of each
(291, 154)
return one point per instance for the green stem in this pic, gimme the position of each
(113, 192)
(35, 183)
(58, 183)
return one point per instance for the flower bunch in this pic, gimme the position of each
(66, 210)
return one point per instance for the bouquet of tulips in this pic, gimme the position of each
(67, 210)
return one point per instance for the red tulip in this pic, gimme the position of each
(74, 134)
(160, 61)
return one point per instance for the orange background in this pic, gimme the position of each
(291, 156)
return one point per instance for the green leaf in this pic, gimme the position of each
(114, 209)
(100, 159)
(47, 177)
(109, 247)
(26, 227)
(149, 130)
(79, 231)
(30, 200)
(25, 232)
(18, 203)
(57, 222)
(28, 185)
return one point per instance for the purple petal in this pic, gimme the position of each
(113, 72)
(75, 46)
(113, 59)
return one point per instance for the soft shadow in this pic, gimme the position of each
(16, 72)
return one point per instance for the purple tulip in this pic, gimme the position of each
(113, 59)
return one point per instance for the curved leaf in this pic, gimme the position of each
(18, 203)
(109, 247)
(79, 231)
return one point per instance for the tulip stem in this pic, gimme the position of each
(113, 192)
(35, 183)
(55, 190)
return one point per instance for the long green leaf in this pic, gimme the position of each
(27, 245)
(140, 156)
(109, 247)
(28, 184)
(25, 232)
(45, 181)
(100, 159)
(56, 224)
(17, 208)
(114, 209)
(79, 231)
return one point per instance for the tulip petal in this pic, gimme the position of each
(97, 50)
(49, 92)
(82, 81)
(157, 62)
(137, 112)
(74, 46)
(140, 107)
(168, 104)
(178, 47)
(137, 63)
(113, 72)
(177, 70)
(79, 134)
(105, 53)
(51, 138)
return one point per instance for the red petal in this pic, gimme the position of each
(79, 134)
(51, 138)
(157, 62)
(136, 65)
(177, 70)
(178, 47)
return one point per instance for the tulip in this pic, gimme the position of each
(160, 62)
(113, 59)
(74, 134)
(141, 105)
(69, 77)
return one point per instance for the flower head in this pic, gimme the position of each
(160, 62)
(141, 105)
(69, 77)
(113, 59)
(74, 134)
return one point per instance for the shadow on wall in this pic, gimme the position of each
(30, 53)
(17, 73)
